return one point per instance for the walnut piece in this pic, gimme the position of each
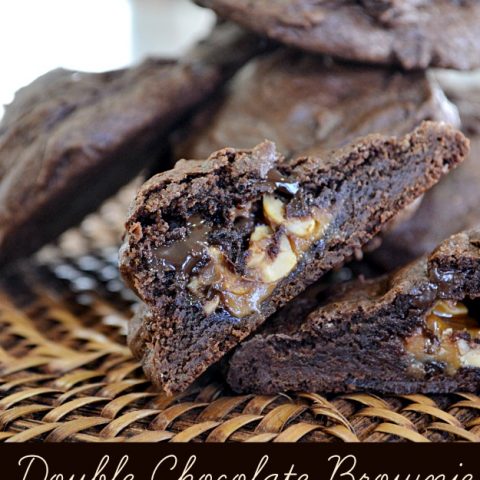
(270, 269)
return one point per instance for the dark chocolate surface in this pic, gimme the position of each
(356, 339)
(410, 33)
(305, 103)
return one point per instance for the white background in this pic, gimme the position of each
(91, 35)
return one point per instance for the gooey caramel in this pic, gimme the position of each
(442, 341)
(275, 248)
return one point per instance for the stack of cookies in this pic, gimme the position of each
(226, 253)
(316, 133)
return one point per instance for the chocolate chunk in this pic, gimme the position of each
(344, 197)
(415, 331)
(183, 255)
(71, 139)
(411, 33)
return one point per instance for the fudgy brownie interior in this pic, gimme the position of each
(417, 330)
(214, 247)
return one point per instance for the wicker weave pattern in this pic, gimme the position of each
(66, 374)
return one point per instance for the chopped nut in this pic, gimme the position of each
(302, 227)
(194, 284)
(260, 240)
(258, 259)
(471, 358)
(274, 210)
(282, 265)
(469, 353)
(260, 233)
(308, 230)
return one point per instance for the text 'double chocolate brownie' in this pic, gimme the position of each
(417, 330)
(215, 247)
(71, 139)
(412, 33)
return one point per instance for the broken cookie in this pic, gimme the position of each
(215, 247)
(415, 331)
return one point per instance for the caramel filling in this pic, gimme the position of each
(275, 248)
(185, 255)
(448, 338)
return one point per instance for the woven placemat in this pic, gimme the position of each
(66, 374)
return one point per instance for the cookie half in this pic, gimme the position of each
(415, 331)
(215, 247)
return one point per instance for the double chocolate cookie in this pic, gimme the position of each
(69, 140)
(411, 33)
(306, 103)
(215, 247)
(415, 331)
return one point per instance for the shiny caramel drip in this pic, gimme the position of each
(183, 256)
(441, 341)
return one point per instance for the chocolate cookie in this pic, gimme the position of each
(453, 205)
(411, 33)
(417, 330)
(305, 103)
(448, 208)
(69, 140)
(215, 247)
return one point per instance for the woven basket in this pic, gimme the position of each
(66, 374)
